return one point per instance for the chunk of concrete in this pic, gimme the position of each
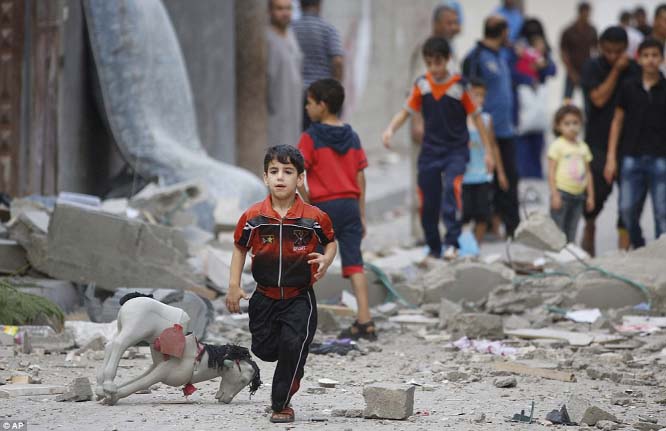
(86, 245)
(29, 229)
(11, 391)
(476, 325)
(12, 257)
(448, 310)
(78, 390)
(388, 401)
(508, 299)
(540, 231)
(327, 322)
(465, 281)
(581, 411)
(65, 294)
(505, 382)
(171, 205)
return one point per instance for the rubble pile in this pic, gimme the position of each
(584, 339)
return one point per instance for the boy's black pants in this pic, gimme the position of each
(282, 330)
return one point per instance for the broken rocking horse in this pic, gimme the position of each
(179, 359)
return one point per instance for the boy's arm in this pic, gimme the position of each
(589, 203)
(555, 198)
(395, 124)
(360, 180)
(490, 158)
(499, 165)
(610, 170)
(235, 293)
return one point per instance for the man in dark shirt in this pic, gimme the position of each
(601, 80)
(640, 17)
(639, 120)
(578, 42)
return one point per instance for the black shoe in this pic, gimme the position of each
(357, 331)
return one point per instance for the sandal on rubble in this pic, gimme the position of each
(360, 330)
(284, 416)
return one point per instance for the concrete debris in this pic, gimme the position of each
(78, 390)
(505, 382)
(581, 411)
(526, 370)
(456, 376)
(12, 257)
(540, 231)
(388, 401)
(64, 294)
(476, 325)
(607, 425)
(171, 205)
(348, 413)
(85, 332)
(86, 245)
(327, 321)
(507, 298)
(448, 310)
(26, 390)
(573, 338)
(484, 346)
(29, 229)
(327, 383)
(464, 281)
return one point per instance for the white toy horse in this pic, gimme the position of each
(178, 358)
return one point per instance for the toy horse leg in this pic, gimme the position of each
(155, 375)
(133, 379)
(114, 351)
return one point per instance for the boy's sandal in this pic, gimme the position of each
(360, 330)
(283, 417)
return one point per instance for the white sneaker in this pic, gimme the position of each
(451, 253)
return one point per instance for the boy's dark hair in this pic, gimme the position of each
(651, 42)
(564, 111)
(614, 34)
(476, 82)
(329, 91)
(285, 154)
(436, 46)
(640, 10)
(309, 3)
(583, 7)
(494, 27)
(661, 8)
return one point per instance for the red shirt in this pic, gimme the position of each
(280, 246)
(333, 158)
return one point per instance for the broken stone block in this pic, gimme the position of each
(540, 231)
(476, 325)
(10, 391)
(607, 425)
(508, 299)
(86, 245)
(387, 401)
(474, 281)
(64, 294)
(456, 376)
(172, 205)
(448, 310)
(78, 390)
(505, 382)
(12, 257)
(516, 322)
(581, 411)
(29, 229)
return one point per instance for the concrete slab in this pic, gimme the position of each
(89, 246)
(26, 390)
(12, 256)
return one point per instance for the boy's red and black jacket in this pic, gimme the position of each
(333, 156)
(280, 246)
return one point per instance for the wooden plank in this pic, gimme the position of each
(513, 367)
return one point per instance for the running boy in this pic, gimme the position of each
(640, 123)
(569, 175)
(282, 233)
(445, 105)
(334, 161)
(477, 182)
